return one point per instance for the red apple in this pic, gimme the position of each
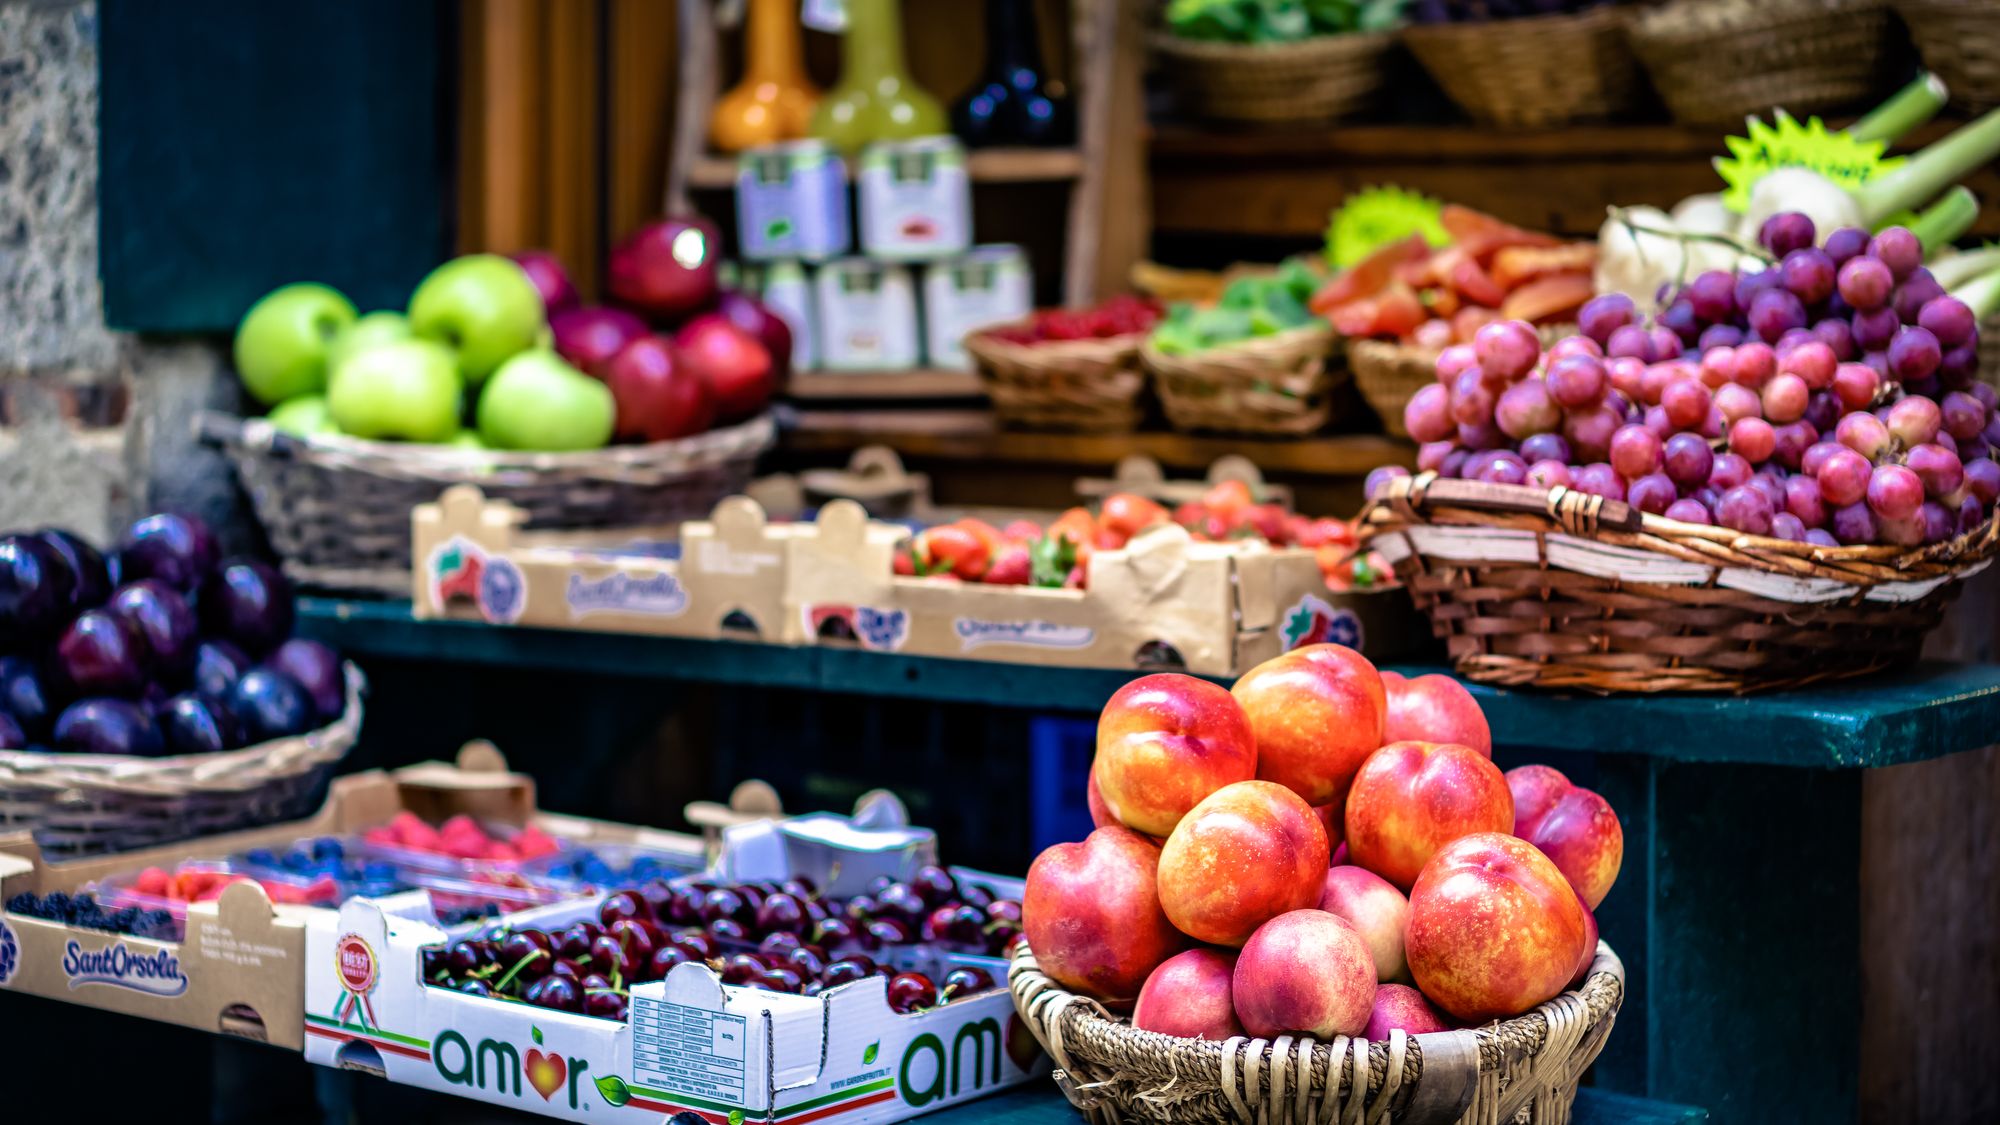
(550, 278)
(1166, 741)
(1572, 826)
(1400, 1006)
(1305, 972)
(1434, 708)
(1412, 798)
(1188, 996)
(1246, 854)
(1091, 913)
(1494, 928)
(1317, 714)
(658, 397)
(755, 317)
(666, 268)
(735, 366)
(1376, 910)
(588, 337)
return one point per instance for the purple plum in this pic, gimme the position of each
(317, 669)
(100, 654)
(218, 665)
(24, 696)
(249, 603)
(178, 550)
(164, 621)
(36, 588)
(108, 726)
(92, 578)
(267, 704)
(12, 737)
(191, 725)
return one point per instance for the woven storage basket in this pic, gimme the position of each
(1088, 385)
(1280, 384)
(1318, 79)
(1960, 41)
(93, 804)
(1989, 351)
(1565, 589)
(1388, 374)
(1538, 70)
(1715, 61)
(1523, 1069)
(337, 509)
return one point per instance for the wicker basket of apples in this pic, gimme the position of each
(639, 414)
(158, 694)
(1068, 369)
(1313, 896)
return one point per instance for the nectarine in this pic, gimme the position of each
(1163, 743)
(1412, 798)
(1304, 972)
(1494, 928)
(1434, 708)
(1399, 1005)
(1376, 910)
(1248, 853)
(1573, 826)
(1091, 913)
(1189, 996)
(1317, 714)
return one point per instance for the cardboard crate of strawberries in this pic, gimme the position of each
(828, 967)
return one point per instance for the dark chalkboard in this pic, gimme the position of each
(248, 143)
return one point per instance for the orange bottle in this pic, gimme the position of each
(775, 100)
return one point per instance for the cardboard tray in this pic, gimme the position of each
(1163, 601)
(241, 967)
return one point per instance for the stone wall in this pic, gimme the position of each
(95, 425)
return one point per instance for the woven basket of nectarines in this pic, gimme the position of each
(1314, 897)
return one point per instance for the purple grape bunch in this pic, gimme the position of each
(1828, 398)
(155, 647)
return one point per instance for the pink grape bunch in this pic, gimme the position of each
(1828, 399)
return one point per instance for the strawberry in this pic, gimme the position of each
(1021, 531)
(1011, 567)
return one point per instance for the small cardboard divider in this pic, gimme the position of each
(241, 967)
(1162, 601)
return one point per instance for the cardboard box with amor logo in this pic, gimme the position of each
(689, 1045)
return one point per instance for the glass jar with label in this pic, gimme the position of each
(985, 286)
(915, 199)
(867, 316)
(791, 202)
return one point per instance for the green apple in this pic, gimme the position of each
(467, 439)
(304, 416)
(538, 402)
(408, 390)
(484, 307)
(281, 345)
(371, 331)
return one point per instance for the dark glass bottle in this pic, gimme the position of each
(1010, 103)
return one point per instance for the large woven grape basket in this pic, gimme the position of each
(1522, 1070)
(1564, 589)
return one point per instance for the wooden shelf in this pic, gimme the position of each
(918, 383)
(986, 166)
(973, 435)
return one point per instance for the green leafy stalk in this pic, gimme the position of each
(1958, 269)
(1908, 108)
(1981, 295)
(1929, 173)
(1946, 219)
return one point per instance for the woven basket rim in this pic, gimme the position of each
(1605, 983)
(293, 755)
(753, 435)
(1605, 14)
(1331, 45)
(1279, 347)
(982, 344)
(1669, 23)
(1427, 495)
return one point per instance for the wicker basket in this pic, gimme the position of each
(93, 804)
(1989, 351)
(1534, 71)
(1280, 384)
(1318, 79)
(337, 509)
(1088, 385)
(1714, 61)
(1960, 41)
(1388, 374)
(1523, 1069)
(1569, 590)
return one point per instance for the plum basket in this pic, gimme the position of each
(1523, 1069)
(96, 804)
(337, 509)
(1564, 589)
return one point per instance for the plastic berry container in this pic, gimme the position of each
(203, 881)
(460, 900)
(343, 859)
(585, 868)
(461, 846)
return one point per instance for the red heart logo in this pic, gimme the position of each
(545, 1072)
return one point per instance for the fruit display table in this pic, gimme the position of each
(1742, 819)
(1039, 1103)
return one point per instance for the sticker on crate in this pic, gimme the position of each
(461, 570)
(974, 633)
(878, 630)
(156, 972)
(651, 595)
(1311, 621)
(10, 954)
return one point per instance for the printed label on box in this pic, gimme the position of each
(878, 630)
(688, 1050)
(1312, 621)
(10, 955)
(653, 595)
(715, 557)
(460, 568)
(461, 1062)
(974, 633)
(156, 972)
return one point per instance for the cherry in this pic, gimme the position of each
(462, 958)
(799, 887)
(555, 992)
(861, 907)
(635, 936)
(891, 931)
(724, 903)
(728, 930)
(740, 968)
(807, 961)
(434, 966)
(964, 981)
(1000, 937)
(815, 910)
(909, 992)
(847, 970)
(786, 980)
(621, 906)
(879, 884)
(1004, 910)
(834, 933)
(574, 942)
(609, 954)
(569, 969)
(595, 982)
(604, 1005)
(475, 987)
(699, 945)
(684, 909)
(978, 894)
(961, 925)
(664, 959)
(533, 956)
(811, 988)
(900, 900)
(935, 885)
(658, 897)
(781, 911)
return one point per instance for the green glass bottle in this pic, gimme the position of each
(875, 99)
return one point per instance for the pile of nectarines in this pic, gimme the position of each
(1289, 856)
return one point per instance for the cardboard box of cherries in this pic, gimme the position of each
(1321, 850)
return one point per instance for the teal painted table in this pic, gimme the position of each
(1737, 911)
(1039, 1103)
